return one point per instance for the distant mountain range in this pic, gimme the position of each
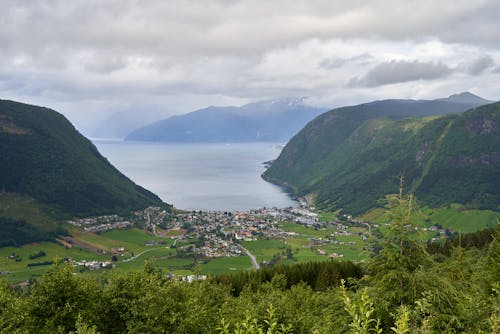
(51, 170)
(120, 124)
(274, 120)
(350, 157)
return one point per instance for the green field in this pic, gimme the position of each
(307, 231)
(264, 249)
(455, 217)
(20, 271)
(302, 247)
(132, 240)
(226, 264)
(163, 258)
(328, 215)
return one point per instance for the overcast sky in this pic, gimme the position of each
(89, 59)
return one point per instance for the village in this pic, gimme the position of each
(212, 234)
(221, 233)
(185, 239)
(100, 223)
(217, 234)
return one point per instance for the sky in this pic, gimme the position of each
(90, 59)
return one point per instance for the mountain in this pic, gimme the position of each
(350, 157)
(467, 98)
(275, 120)
(120, 124)
(51, 170)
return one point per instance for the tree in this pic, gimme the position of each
(12, 309)
(361, 312)
(59, 298)
(396, 272)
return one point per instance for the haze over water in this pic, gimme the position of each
(215, 176)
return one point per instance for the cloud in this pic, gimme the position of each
(401, 71)
(333, 62)
(93, 57)
(190, 28)
(478, 66)
(105, 65)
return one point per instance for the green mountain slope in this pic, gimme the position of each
(466, 164)
(44, 158)
(349, 158)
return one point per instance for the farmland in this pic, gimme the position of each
(209, 243)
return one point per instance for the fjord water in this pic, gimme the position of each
(193, 176)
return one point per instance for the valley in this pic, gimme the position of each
(216, 242)
(249, 167)
(188, 243)
(90, 226)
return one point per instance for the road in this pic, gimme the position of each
(144, 251)
(153, 226)
(255, 264)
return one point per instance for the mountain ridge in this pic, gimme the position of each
(47, 164)
(350, 157)
(271, 120)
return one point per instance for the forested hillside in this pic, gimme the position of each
(350, 157)
(43, 156)
(49, 170)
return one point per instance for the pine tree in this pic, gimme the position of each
(396, 273)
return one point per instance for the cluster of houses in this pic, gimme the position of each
(152, 216)
(90, 265)
(188, 278)
(331, 255)
(151, 243)
(221, 232)
(219, 248)
(94, 220)
(100, 223)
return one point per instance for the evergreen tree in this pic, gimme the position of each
(394, 270)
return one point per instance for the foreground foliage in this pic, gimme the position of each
(460, 293)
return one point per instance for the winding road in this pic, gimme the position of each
(255, 264)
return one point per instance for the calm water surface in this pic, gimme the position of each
(200, 176)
